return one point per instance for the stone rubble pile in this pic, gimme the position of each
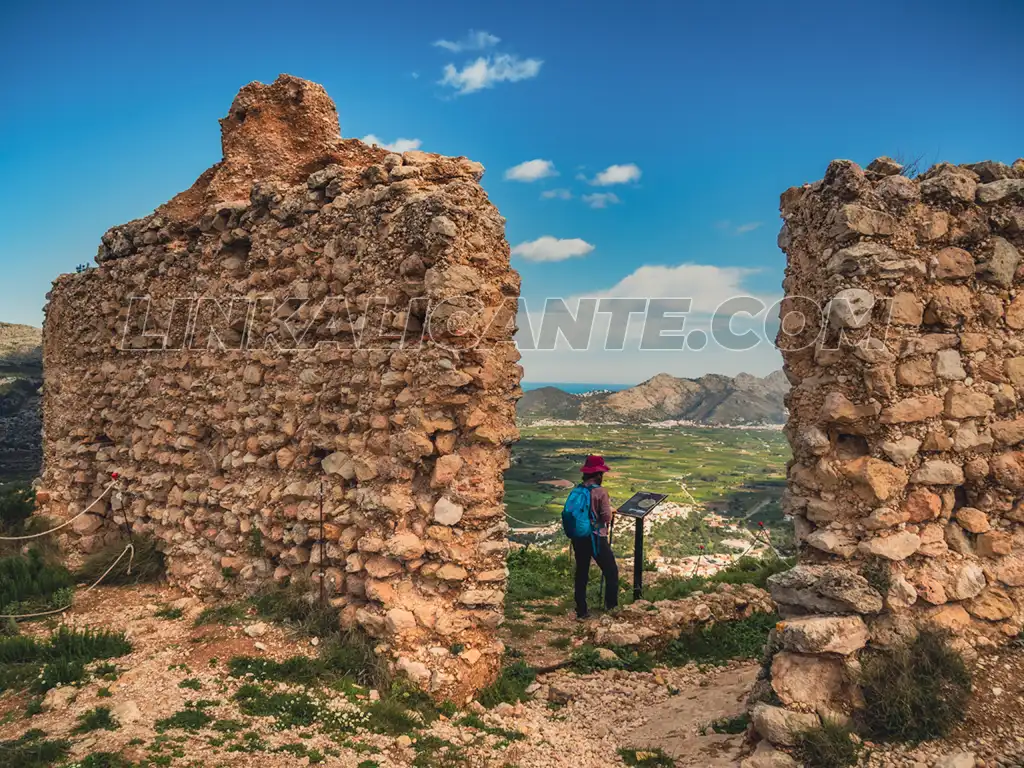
(353, 335)
(650, 625)
(903, 336)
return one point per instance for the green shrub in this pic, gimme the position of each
(390, 717)
(511, 685)
(351, 654)
(17, 502)
(30, 584)
(830, 745)
(96, 719)
(33, 750)
(296, 605)
(721, 642)
(916, 691)
(167, 612)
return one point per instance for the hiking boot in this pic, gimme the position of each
(584, 616)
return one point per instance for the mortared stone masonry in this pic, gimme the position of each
(313, 310)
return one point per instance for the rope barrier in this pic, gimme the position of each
(66, 522)
(130, 548)
(528, 525)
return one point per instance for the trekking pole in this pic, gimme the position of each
(696, 566)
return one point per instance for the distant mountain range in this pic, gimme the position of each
(21, 377)
(711, 399)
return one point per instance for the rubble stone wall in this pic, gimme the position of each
(903, 336)
(368, 349)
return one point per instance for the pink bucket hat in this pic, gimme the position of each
(594, 464)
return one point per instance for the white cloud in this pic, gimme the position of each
(601, 199)
(486, 71)
(706, 284)
(398, 145)
(617, 174)
(549, 248)
(556, 194)
(737, 229)
(531, 170)
(474, 41)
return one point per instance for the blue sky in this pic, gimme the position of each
(110, 110)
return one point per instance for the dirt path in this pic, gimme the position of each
(676, 724)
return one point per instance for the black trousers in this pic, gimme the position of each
(583, 549)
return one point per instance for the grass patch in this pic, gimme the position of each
(31, 584)
(298, 710)
(391, 717)
(475, 721)
(229, 613)
(343, 657)
(147, 564)
(60, 659)
(587, 658)
(169, 613)
(536, 575)
(646, 758)
(511, 685)
(33, 750)
(98, 718)
(560, 643)
(828, 746)
(192, 683)
(916, 691)
(435, 752)
(296, 606)
(721, 642)
(746, 570)
(730, 725)
(192, 718)
(103, 760)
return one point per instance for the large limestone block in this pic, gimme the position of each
(781, 726)
(824, 634)
(817, 682)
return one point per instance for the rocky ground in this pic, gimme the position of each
(570, 719)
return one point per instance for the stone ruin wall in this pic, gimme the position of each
(217, 446)
(906, 420)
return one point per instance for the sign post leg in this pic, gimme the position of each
(638, 560)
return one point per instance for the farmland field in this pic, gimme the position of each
(733, 472)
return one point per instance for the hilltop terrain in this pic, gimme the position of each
(712, 399)
(21, 376)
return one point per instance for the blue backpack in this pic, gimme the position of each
(576, 514)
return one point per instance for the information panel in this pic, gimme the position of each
(641, 504)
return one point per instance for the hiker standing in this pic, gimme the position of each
(587, 519)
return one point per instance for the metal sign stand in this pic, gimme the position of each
(638, 507)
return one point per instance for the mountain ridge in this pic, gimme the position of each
(712, 399)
